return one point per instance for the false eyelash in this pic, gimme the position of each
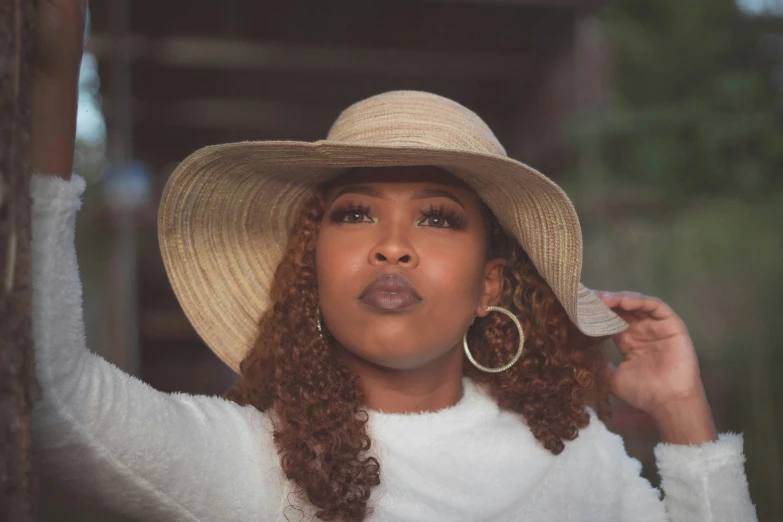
(456, 221)
(337, 215)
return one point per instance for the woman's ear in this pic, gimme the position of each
(492, 289)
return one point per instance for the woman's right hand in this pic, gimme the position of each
(59, 43)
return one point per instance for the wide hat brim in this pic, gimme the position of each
(227, 210)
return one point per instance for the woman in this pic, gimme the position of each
(403, 305)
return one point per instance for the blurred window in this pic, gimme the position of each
(761, 7)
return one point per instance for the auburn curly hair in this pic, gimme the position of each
(317, 406)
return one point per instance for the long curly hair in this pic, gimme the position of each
(314, 400)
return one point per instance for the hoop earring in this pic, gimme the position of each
(519, 351)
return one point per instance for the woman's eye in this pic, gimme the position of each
(356, 216)
(437, 217)
(435, 221)
(351, 215)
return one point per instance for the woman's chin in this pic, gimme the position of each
(394, 360)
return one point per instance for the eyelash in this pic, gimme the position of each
(338, 215)
(452, 217)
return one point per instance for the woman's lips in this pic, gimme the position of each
(390, 293)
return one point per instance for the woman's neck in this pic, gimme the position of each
(432, 387)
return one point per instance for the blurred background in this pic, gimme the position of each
(661, 119)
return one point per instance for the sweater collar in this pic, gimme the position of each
(474, 408)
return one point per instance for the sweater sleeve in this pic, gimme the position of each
(144, 453)
(706, 482)
(703, 483)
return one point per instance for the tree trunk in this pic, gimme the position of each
(18, 388)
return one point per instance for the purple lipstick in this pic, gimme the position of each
(390, 293)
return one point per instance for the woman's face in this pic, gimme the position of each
(401, 263)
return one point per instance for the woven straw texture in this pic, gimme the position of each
(227, 209)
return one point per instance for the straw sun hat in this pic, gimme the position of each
(227, 209)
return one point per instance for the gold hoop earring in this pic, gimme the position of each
(519, 351)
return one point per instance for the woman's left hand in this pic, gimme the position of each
(659, 373)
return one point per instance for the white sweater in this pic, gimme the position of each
(179, 457)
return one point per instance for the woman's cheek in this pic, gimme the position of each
(458, 274)
(338, 263)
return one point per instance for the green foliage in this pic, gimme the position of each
(680, 190)
(695, 105)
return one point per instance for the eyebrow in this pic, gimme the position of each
(369, 190)
(437, 193)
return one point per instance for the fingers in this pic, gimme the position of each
(636, 304)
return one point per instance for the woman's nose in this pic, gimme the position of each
(394, 248)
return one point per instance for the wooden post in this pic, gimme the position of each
(121, 336)
(18, 389)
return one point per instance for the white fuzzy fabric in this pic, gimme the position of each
(177, 457)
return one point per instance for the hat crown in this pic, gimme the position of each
(413, 118)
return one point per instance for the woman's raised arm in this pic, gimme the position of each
(60, 30)
(150, 455)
